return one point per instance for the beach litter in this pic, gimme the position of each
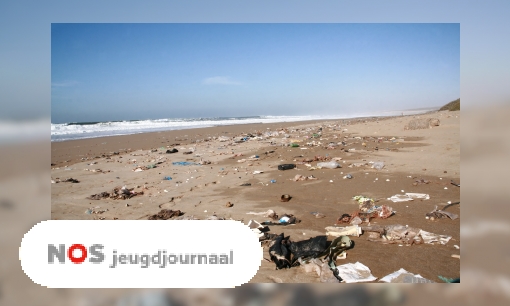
(184, 164)
(167, 178)
(285, 219)
(300, 177)
(353, 230)
(285, 198)
(69, 180)
(348, 176)
(174, 150)
(409, 197)
(378, 165)
(268, 214)
(403, 234)
(329, 165)
(402, 276)
(355, 273)
(439, 214)
(166, 214)
(117, 193)
(286, 166)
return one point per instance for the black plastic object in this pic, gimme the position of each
(279, 252)
(307, 249)
(174, 150)
(286, 166)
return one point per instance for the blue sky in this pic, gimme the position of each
(26, 26)
(139, 71)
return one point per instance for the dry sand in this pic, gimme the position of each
(203, 190)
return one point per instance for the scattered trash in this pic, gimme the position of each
(286, 166)
(362, 199)
(431, 238)
(285, 219)
(348, 176)
(356, 221)
(285, 198)
(69, 180)
(294, 145)
(184, 164)
(438, 214)
(245, 184)
(174, 150)
(345, 218)
(329, 165)
(378, 165)
(403, 234)
(258, 229)
(307, 249)
(166, 214)
(402, 276)
(300, 177)
(409, 197)
(279, 252)
(229, 204)
(273, 181)
(355, 273)
(118, 193)
(268, 214)
(455, 184)
(334, 231)
(167, 178)
(258, 172)
(449, 280)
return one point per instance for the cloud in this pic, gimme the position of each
(220, 80)
(64, 84)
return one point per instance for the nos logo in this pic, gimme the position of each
(73, 253)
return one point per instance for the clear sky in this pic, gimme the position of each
(26, 26)
(166, 70)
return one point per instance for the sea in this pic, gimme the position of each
(82, 130)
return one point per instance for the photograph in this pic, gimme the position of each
(337, 144)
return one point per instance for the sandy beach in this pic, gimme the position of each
(226, 157)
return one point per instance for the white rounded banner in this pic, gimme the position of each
(140, 254)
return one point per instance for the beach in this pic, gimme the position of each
(223, 158)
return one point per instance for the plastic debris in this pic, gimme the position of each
(329, 165)
(334, 231)
(409, 197)
(355, 273)
(438, 214)
(378, 165)
(268, 214)
(184, 164)
(402, 276)
(286, 166)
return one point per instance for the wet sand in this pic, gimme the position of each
(431, 154)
